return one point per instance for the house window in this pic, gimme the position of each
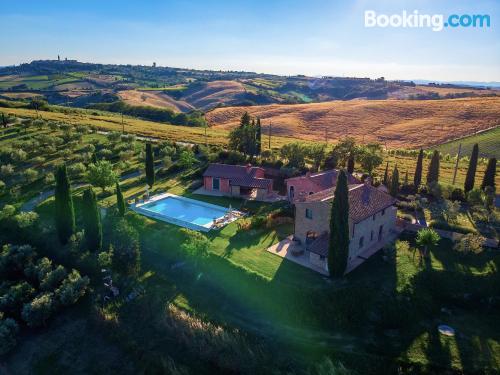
(311, 193)
(373, 217)
(380, 232)
(216, 184)
(309, 213)
(291, 193)
(322, 257)
(383, 212)
(361, 242)
(371, 236)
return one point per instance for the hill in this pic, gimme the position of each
(396, 123)
(154, 98)
(488, 141)
(74, 83)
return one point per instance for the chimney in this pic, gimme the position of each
(368, 181)
(365, 195)
(308, 174)
(248, 167)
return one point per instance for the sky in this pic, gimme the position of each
(313, 37)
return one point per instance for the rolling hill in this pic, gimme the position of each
(395, 123)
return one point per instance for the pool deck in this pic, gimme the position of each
(222, 221)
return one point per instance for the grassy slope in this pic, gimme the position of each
(488, 141)
(396, 123)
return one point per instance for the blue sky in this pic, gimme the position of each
(280, 36)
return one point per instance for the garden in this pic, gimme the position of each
(189, 302)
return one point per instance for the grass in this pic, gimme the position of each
(488, 141)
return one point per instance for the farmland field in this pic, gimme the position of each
(488, 141)
(395, 123)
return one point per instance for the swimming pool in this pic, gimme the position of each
(185, 212)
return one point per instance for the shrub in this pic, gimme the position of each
(258, 221)
(36, 312)
(8, 335)
(475, 197)
(30, 175)
(77, 169)
(196, 244)
(2, 186)
(26, 219)
(469, 244)
(72, 288)
(401, 246)
(7, 170)
(18, 294)
(53, 278)
(457, 194)
(126, 250)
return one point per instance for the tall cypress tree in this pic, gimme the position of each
(489, 174)
(417, 178)
(91, 220)
(405, 182)
(433, 172)
(64, 211)
(394, 189)
(350, 164)
(338, 251)
(386, 175)
(150, 169)
(471, 171)
(258, 137)
(120, 202)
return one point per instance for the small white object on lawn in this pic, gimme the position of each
(446, 330)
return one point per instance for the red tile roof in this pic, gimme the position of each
(321, 180)
(364, 200)
(238, 175)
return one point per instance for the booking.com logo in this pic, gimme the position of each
(416, 20)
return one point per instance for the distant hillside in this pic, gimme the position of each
(488, 141)
(396, 123)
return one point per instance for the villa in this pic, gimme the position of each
(372, 223)
(243, 181)
(299, 187)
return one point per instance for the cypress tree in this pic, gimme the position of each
(433, 172)
(386, 175)
(489, 174)
(417, 179)
(120, 202)
(394, 189)
(150, 169)
(64, 211)
(471, 171)
(406, 178)
(338, 251)
(245, 120)
(350, 164)
(91, 220)
(258, 137)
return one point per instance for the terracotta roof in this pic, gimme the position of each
(238, 175)
(321, 180)
(364, 200)
(320, 245)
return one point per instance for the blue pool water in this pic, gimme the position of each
(185, 212)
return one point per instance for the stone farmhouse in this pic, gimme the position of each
(372, 219)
